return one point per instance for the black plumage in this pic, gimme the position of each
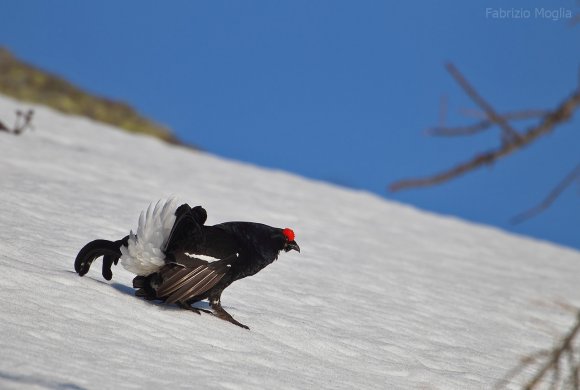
(241, 249)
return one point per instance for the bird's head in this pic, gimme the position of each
(289, 243)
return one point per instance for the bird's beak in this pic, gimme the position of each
(292, 245)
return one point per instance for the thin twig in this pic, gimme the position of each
(561, 114)
(484, 124)
(509, 133)
(552, 196)
(22, 122)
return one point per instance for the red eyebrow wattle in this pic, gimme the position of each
(289, 233)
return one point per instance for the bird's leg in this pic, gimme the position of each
(200, 309)
(220, 312)
(197, 310)
(185, 306)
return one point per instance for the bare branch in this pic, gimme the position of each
(509, 133)
(484, 124)
(22, 122)
(552, 196)
(561, 114)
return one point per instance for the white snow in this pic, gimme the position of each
(383, 296)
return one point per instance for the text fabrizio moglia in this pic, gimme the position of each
(528, 13)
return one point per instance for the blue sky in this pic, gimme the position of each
(334, 90)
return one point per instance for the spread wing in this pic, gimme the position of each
(187, 273)
(189, 277)
(187, 227)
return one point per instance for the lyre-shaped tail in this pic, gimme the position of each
(110, 250)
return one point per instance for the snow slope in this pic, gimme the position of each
(383, 296)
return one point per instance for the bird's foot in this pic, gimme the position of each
(193, 309)
(219, 312)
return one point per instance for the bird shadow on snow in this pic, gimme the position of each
(131, 291)
(124, 289)
(40, 382)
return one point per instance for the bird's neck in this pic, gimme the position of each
(253, 265)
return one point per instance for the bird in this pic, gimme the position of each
(178, 259)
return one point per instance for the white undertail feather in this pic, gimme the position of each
(143, 255)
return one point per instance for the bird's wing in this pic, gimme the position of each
(187, 226)
(189, 277)
(187, 272)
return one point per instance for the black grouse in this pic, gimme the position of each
(178, 259)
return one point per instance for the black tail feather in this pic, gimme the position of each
(110, 250)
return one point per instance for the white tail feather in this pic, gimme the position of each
(143, 255)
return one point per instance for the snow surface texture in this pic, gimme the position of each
(383, 296)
